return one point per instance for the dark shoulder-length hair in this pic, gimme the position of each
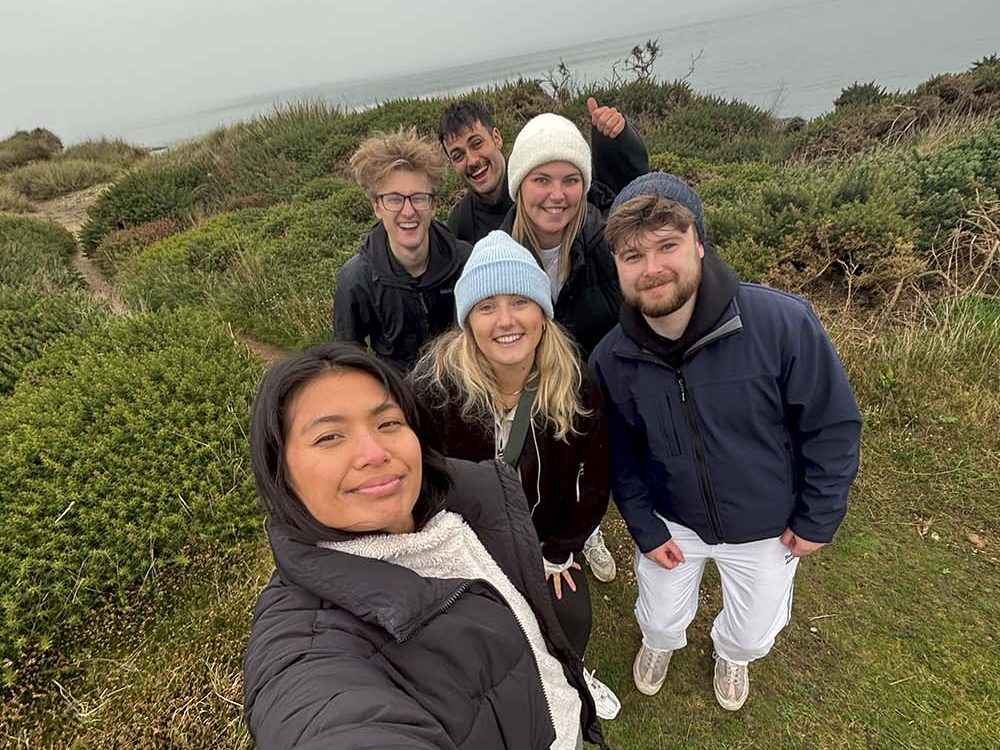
(271, 421)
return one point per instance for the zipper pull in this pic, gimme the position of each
(683, 387)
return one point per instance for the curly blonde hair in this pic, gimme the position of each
(404, 149)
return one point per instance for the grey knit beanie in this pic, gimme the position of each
(666, 186)
(499, 265)
(546, 138)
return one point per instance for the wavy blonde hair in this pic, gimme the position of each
(453, 361)
(523, 232)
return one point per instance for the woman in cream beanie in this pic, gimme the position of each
(550, 176)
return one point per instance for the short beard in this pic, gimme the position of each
(683, 291)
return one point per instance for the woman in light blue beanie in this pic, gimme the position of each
(474, 379)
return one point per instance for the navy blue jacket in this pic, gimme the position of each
(756, 431)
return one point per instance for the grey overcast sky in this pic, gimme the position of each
(87, 62)
(155, 72)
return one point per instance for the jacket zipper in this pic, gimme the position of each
(699, 455)
(456, 594)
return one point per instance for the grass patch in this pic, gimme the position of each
(49, 179)
(13, 202)
(25, 146)
(111, 151)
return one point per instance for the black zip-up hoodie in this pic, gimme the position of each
(377, 301)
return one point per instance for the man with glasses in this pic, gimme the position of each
(397, 293)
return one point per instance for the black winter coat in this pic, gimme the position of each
(567, 482)
(378, 301)
(348, 652)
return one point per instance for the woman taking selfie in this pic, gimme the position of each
(408, 606)
(509, 384)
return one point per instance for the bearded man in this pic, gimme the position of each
(734, 434)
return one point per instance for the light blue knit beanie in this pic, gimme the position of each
(499, 265)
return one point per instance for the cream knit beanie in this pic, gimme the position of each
(546, 138)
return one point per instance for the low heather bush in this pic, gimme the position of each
(154, 192)
(31, 320)
(126, 455)
(119, 247)
(35, 253)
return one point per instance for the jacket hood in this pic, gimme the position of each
(445, 257)
(719, 282)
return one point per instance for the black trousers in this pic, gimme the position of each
(573, 610)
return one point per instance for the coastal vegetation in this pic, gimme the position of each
(134, 548)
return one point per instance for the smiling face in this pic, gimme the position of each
(551, 195)
(407, 228)
(660, 270)
(350, 455)
(475, 154)
(507, 329)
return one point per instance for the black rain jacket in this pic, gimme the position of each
(377, 301)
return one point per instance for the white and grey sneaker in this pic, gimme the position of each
(650, 669)
(732, 684)
(596, 553)
(605, 700)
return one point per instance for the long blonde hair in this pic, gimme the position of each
(523, 232)
(453, 363)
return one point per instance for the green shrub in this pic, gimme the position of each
(12, 201)
(114, 152)
(50, 179)
(122, 245)
(25, 146)
(951, 179)
(144, 195)
(860, 95)
(30, 321)
(36, 253)
(718, 130)
(126, 455)
(270, 273)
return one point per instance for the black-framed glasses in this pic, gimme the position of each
(394, 201)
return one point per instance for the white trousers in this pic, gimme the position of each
(757, 580)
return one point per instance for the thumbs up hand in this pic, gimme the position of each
(608, 120)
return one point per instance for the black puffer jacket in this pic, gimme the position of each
(567, 482)
(378, 301)
(349, 652)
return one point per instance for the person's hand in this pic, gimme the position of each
(668, 555)
(557, 579)
(608, 120)
(798, 546)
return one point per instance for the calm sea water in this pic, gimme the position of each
(793, 61)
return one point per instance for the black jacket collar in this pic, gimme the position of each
(719, 283)
(445, 257)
